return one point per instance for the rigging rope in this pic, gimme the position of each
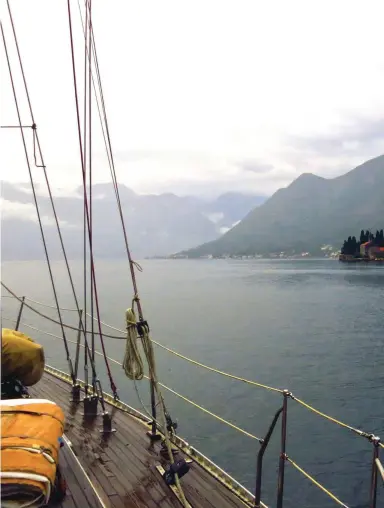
(131, 264)
(217, 370)
(69, 360)
(85, 292)
(307, 475)
(247, 381)
(43, 304)
(86, 208)
(88, 4)
(48, 318)
(107, 140)
(37, 140)
(331, 419)
(239, 429)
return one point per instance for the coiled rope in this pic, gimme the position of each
(132, 364)
(315, 482)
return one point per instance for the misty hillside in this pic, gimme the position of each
(310, 212)
(156, 224)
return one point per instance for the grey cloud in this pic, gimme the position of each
(354, 136)
(255, 166)
(168, 155)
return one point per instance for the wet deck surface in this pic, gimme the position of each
(122, 468)
(79, 491)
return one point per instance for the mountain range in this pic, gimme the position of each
(156, 224)
(310, 212)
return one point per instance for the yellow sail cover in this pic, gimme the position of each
(30, 432)
(21, 357)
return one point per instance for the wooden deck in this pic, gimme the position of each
(120, 470)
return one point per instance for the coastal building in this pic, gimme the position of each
(375, 252)
(364, 248)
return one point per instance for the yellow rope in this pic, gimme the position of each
(316, 482)
(132, 364)
(248, 381)
(42, 304)
(48, 318)
(212, 369)
(161, 384)
(38, 330)
(211, 414)
(330, 418)
(380, 468)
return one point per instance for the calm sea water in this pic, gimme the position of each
(314, 327)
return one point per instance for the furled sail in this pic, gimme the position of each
(21, 357)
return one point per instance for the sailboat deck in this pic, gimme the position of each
(120, 471)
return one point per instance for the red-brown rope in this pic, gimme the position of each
(93, 275)
(84, 215)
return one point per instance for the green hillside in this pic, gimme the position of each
(309, 213)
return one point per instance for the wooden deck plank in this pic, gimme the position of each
(79, 491)
(122, 467)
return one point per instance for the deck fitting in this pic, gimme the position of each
(76, 389)
(107, 424)
(153, 437)
(90, 407)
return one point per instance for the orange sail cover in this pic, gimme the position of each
(30, 432)
(21, 357)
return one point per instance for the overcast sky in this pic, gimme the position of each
(203, 96)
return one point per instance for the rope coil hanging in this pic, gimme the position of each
(132, 364)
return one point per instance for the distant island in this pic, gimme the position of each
(369, 248)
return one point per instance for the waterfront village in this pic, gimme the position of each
(369, 248)
(327, 251)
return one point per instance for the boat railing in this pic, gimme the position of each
(377, 468)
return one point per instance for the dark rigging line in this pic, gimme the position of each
(112, 384)
(84, 214)
(94, 88)
(42, 160)
(114, 179)
(108, 147)
(53, 205)
(90, 162)
(37, 210)
(132, 264)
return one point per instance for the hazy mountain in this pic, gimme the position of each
(156, 224)
(310, 212)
